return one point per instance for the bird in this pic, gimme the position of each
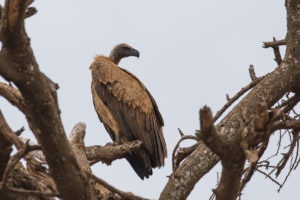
(128, 110)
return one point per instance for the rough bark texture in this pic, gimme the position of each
(107, 154)
(190, 171)
(233, 140)
(283, 79)
(19, 65)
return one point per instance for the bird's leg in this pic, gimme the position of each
(116, 142)
(118, 139)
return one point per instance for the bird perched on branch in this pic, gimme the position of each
(127, 110)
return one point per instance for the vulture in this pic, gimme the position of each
(128, 110)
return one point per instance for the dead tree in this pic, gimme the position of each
(245, 131)
(59, 166)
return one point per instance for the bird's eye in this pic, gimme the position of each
(126, 48)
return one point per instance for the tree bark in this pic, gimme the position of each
(18, 64)
(283, 79)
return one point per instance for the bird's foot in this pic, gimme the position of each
(110, 144)
(115, 143)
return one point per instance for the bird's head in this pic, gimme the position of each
(121, 51)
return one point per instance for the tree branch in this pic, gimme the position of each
(14, 159)
(14, 96)
(125, 195)
(274, 43)
(237, 96)
(9, 134)
(271, 89)
(107, 154)
(20, 66)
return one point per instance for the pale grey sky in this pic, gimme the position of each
(192, 53)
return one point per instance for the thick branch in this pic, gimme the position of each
(271, 89)
(107, 154)
(194, 167)
(232, 161)
(20, 66)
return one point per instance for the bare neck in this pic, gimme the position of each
(114, 58)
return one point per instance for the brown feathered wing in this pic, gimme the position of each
(125, 107)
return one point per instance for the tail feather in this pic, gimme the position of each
(141, 164)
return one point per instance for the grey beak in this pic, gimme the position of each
(135, 53)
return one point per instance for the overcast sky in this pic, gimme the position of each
(192, 53)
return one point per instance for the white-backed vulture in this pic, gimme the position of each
(127, 110)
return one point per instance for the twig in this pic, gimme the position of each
(289, 103)
(252, 167)
(276, 50)
(278, 146)
(9, 134)
(268, 176)
(183, 137)
(227, 97)
(287, 155)
(235, 97)
(182, 153)
(297, 154)
(20, 131)
(125, 195)
(30, 11)
(274, 43)
(252, 73)
(295, 134)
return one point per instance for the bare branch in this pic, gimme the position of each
(232, 160)
(20, 66)
(287, 155)
(236, 97)
(125, 195)
(271, 89)
(291, 103)
(182, 153)
(14, 159)
(9, 134)
(107, 154)
(77, 134)
(252, 73)
(276, 50)
(30, 11)
(275, 43)
(14, 96)
(268, 176)
(177, 159)
(252, 167)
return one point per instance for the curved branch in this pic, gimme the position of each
(125, 195)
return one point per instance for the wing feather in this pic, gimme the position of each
(132, 107)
